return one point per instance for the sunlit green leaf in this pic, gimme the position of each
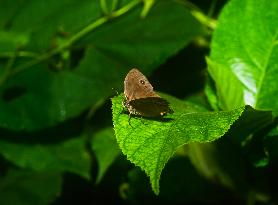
(244, 52)
(150, 143)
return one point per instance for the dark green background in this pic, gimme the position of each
(56, 119)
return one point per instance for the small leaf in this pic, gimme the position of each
(21, 187)
(149, 143)
(244, 52)
(11, 41)
(106, 149)
(69, 155)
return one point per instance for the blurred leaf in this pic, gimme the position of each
(7, 11)
(106, 149)
(69, 155)
(150, 143)
(136, 42)
(211, 95)
(49, 21)
(221, 162)
(199, 100)
(249, 131)
(10, 41)
(148, 4)
(180, 183)
(108, 6)
(20, 187)
(244, 53)
(54, 98)
(250, 122)
(133, 42)
(271, 144)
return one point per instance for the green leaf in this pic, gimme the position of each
(50, 22)
(221, 162)
(150, 143)
(10, 41)
(69, 155)
(250, 122)
(7, 11)
(133, 42)
(270, 145)
(108, 7)
(211, 95)
(244, 53)
(20, 187)
(147, 7)
(180, 183)
(57, 97)
(106, 149)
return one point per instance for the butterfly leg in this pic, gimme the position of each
(129, 118)
(123, 107)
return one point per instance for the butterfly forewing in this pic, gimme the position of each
(137, 86)
(140, 97)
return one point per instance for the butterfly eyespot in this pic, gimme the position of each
(142, 82)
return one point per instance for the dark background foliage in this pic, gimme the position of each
(61, 62)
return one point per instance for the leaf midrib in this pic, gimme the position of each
(157, 173)
(264, 68)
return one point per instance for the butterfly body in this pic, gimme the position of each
(140, 97)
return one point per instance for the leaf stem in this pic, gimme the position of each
(103, 6)
(201, 17)
(125, 8)
(25, 54)
(198, 14)
(8, 67)
(114, 5)
(212, 8)
(77, 36)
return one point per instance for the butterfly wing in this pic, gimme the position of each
(149, 107)
(137, 86)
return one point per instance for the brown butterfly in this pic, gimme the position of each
(141, 99)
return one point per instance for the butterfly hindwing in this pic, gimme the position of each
(141, 98)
